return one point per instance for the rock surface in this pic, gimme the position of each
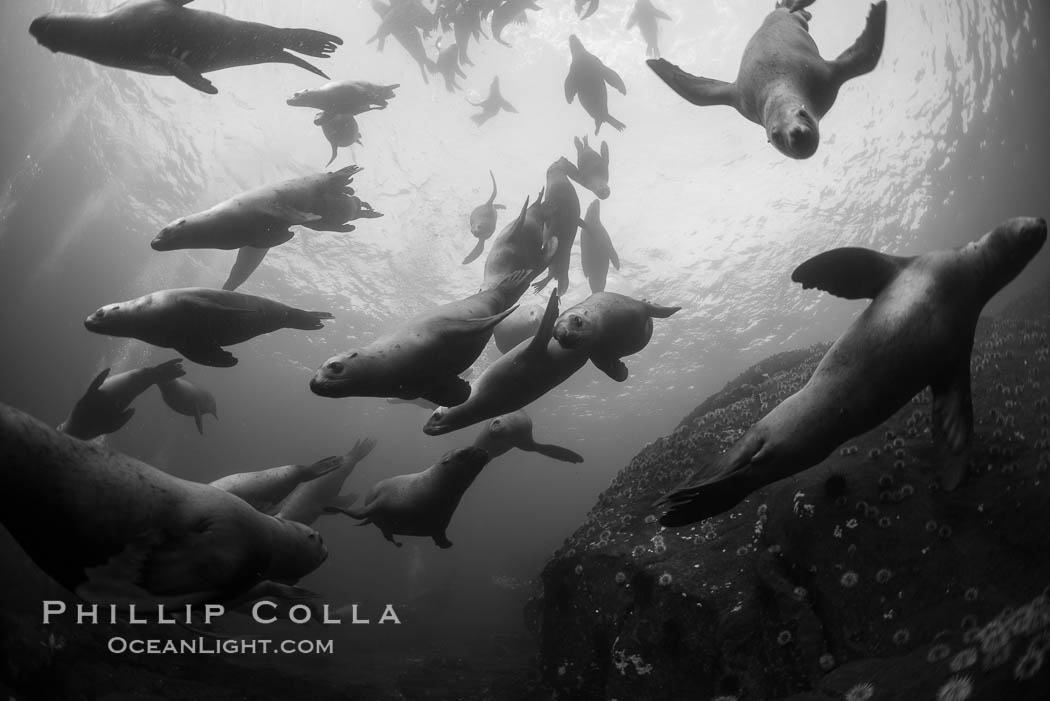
(856, 579)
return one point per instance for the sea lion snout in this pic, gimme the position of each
(39, 27)
(433, 426)
(165, 240)
(797, 136)
(568, 331)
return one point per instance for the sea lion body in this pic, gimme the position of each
(161, 37)
(561, 207)
(351, 97)
(184, 397)
(340, 130)
(197, 321)
(917, 332)
(587, 78)
(783, 83)
(592, 168)
(264, 489)
(596, 249)
(308, 501)
(507, 12)
(514, 430)
(422, 503)
(104, 407)
(483, 223)
(519, 326)
(520, 246)
(121, 531)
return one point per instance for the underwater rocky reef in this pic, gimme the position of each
(857, 579)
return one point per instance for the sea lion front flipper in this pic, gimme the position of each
(321, 468)
(199, 420)
(343, 501)
(290, 214)
(450, 392)
(183, 72)
(545, 332)
(122, 418)
(850, 273)
(952, 422)
(864, 55)
(248, 259)
(660, 14)
(212, 356)
(480, 324)
(556, 452)
(613, 78)
(613, 367)
(695, 89)
(570, 87)
(478, 249)
(658, 312)
(442, 541)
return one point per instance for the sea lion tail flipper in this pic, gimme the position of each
(306, 321)
(478, 249)
(557, 452)
(335, 152)
(613, 122)
(695, 89)
(952, 422)
(343, 501)
(310, 42)
(864, 55)
(850, 272)
(613, 367)
(360, 514)
(183, 72)
(212, 356)
(248, 259)
(658, 312)
(321, 468)
(441, 540)
(167, 371)
(199, 420)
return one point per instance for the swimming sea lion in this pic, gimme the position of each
(592, 168)
(917, 332)
(561, 211)
(340, 130)
(119, 531)
(184, 397)
(609, 326)
(447, 64)
(513, 380)
(783, 83)
(162, 37)
(596, 249)
(520, 246)
(345, 97)
(403, 28)
(197, 321)
(424, 356)
(587, 78)
(421, 503)
(264, 489)
(262, 218)
(483, 223)
(519, 326)
(514, 430)
(645, 16)
(466, 25)
(491, 105)
(591, 8)
(510, 11)
(309, 500)
(403, 16)
(104, 408)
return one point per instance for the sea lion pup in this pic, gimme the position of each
(447, 64)
(162, 37)
(122, 532)
(421, 503)
(592, 168)
(491, 105)
(645, 15)
(520, 246)
(184, 397)
(483, 223)
(340, 130)
(308, 501)
(596, 249)
(197, 321)
(264, 489)
(105, 406)
(561, 212)
(262, 218)
(510, 11)
(345, 97)
(424, 356)
(917, 332)
(519, 326)
(609, 326)
(514, 430)
(587, 78)
(783, 83)
(513, 380)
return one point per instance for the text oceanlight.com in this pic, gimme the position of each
(212, 646)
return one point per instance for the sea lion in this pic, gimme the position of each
(491, 105)
(514, 430)
(447, 64)
(197, 321)
(184, 397)
(308, 501)
(424, 356)
(264, 489)
(592, 168)
(340, 130)
(520, 246)
(352, 97)
(262, 218)
(519, 326)
(514, 380)
(783, 83)
(609, 326)
(561, 210)
(510, 11)
(596, 249)
(586, 8)
(587, 78)
(645, 15)
(161, 37)
(421, 503)
(403, 28)
(119, 531)
(104, 407)
(466, 25)
(483, 223)
(917, 332)
(402, 16)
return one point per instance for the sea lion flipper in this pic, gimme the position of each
(343, 501)
(864, 54)
(613, 367)
(556, 452)
(450, 392)
(212, 356)
(122, 418)
(441, 540)
(545, 332)
(613, 79)
(698, 90)
(850, 273)
(952, 423)
(660, 14)
(99, 379)
(614, 258)
(199, 420)
(322, 467)
(570, 87)
(290, 214)
(183, 72)
(478, 249)
(658, 312)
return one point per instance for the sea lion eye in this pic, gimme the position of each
(577, 321)
(354, 354)
(335, 367)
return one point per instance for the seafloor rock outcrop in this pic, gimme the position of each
(857, 579)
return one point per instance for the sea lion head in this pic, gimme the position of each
(112, 320)
(576, 46)
(355, 373)
(1007, 249)
(302, 98)
(48, 31)
(172, 237)
(574, 329)
(792, 128)
(296, 550)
